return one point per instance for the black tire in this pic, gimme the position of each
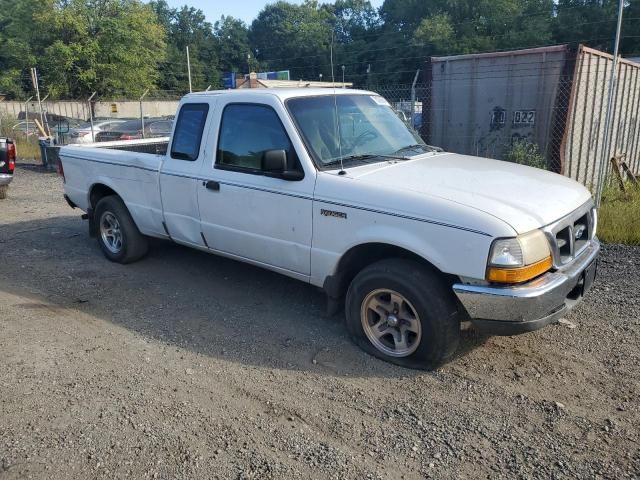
(425, 292)
(134, 245)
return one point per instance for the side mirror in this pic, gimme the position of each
(274, 164)
(274, 161)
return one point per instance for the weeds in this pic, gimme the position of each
(26, 147)
(619, 215)
(526, 153)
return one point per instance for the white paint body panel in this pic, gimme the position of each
(446, 208)
(266, 219)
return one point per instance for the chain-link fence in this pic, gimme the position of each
(543, 107)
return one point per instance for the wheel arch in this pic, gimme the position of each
(364, 254)
(98, 191)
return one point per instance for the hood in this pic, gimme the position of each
(524, 197)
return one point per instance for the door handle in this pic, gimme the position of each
(212, 185)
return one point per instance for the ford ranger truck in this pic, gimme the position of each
(333, 189)
(7, 164)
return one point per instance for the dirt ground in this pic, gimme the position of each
(186, 365)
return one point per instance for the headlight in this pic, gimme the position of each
(516, 260)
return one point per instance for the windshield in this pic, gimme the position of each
(368, 127)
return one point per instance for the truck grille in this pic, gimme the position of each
(572, 234)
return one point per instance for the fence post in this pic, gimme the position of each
(604, 162)
(413, 98)
(141, 110)
(26, 113)
(46, 120)
(93, 138)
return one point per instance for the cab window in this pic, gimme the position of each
(247, 131)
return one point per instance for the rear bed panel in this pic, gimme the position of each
(133, 176)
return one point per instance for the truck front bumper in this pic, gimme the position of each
(514, 309)
(5, 179)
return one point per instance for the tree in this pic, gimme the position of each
(232, 36)
(593, 22)
(16, 40)
(187, 26)
(355, 20)
(357, 25)
(121, 47)
(109, 46)
(294, 37)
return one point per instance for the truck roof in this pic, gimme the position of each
(283, 93)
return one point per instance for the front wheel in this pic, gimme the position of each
(118, 236)
(402, 312)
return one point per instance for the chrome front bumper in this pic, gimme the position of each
(508, 310)
(5, 179)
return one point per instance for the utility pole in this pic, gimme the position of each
(604, 162)
(141, 110)
(93, 138)
(368, 72)
(343, 85)
(189, 68)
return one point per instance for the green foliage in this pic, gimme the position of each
(285, 33)
(436, 30)
(232, 37)
(80, 46)
(619, 215)
(526, 153)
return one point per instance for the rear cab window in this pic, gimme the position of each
(187, 136)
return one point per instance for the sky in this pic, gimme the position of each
(245, 10)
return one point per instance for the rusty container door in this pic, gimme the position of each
(482, 104)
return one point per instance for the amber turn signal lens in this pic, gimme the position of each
(519, 274)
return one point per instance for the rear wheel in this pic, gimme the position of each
(402, 312)
(118, 236)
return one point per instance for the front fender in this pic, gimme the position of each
(450, 249)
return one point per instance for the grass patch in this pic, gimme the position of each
(619, 216)
(27, 147)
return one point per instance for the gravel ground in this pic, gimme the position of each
(186, 365)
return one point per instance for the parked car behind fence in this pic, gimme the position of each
(82, 133)
(132, 130)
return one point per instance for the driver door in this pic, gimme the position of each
(245, 213)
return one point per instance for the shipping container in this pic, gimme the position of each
(551, 97)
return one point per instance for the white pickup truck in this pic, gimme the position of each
(333, 189)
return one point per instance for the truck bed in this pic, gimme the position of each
(130, 168)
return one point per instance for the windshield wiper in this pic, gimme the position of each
(363, 157)
(424, 146)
